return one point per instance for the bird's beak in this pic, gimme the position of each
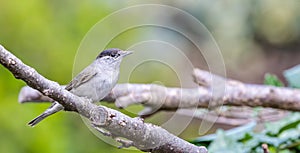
(125, 53)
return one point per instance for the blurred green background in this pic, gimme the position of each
(255, 37)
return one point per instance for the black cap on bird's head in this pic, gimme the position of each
(113, 52)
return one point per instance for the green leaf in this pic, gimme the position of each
(292, 76)
(292, 125)
(235, 133)
(289, 122)
(225, 144)
(271, 79)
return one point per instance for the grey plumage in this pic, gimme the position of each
(94, 82)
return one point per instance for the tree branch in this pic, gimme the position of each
(144, 136)
(235, 93)
(156, 97)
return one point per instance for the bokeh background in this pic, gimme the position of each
(255, 37)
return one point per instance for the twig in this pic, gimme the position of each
(265, 148)
(146, 137)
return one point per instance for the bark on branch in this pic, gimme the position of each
(144, 136)
(156, 97)
(213, 90)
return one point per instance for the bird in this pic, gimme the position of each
(93, 82)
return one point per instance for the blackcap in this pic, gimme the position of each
(94, 82)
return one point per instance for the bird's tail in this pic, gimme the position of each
(55, 107)
(37, 119)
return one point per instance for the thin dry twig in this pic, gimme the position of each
(265, 148)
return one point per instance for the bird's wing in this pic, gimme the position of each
(81, 78)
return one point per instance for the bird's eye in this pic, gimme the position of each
(115, 55)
